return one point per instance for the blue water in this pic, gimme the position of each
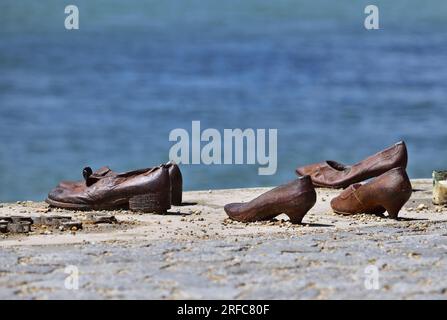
(110, 92)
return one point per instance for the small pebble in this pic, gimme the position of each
(421, 207)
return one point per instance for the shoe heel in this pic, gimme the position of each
(297, 214)
(156, 202)
(393, 206)
(295, 217)
(176, 196)
(393, 209)
(394, 200)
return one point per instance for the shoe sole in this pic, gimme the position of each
(148, 203)
(74, 206)
(156, 202)
(343, 213)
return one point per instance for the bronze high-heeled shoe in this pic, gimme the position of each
(294, 199)
(332, 174)
(388, 192)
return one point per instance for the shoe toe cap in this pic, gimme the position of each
(65, 195)
(232, 210)
(56, 194)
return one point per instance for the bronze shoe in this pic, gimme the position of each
(332, 174)
(91, 177)
(294, 199)
(140, 190)
(388, 192)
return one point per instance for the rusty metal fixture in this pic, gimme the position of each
(3, 228)
(22, 224)
(71, 225)
(54, 221)
(15, 224)
(7, 219)
(18, 219)
(19, 227)
(108, 219)
(440, 187)
(96, 218)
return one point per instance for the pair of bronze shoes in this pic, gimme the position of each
(147, 190)
(389, 191)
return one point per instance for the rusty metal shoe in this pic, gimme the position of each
(332, 174)
(91, 177)
(294, 199)
(388, 192)
(140, 190)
